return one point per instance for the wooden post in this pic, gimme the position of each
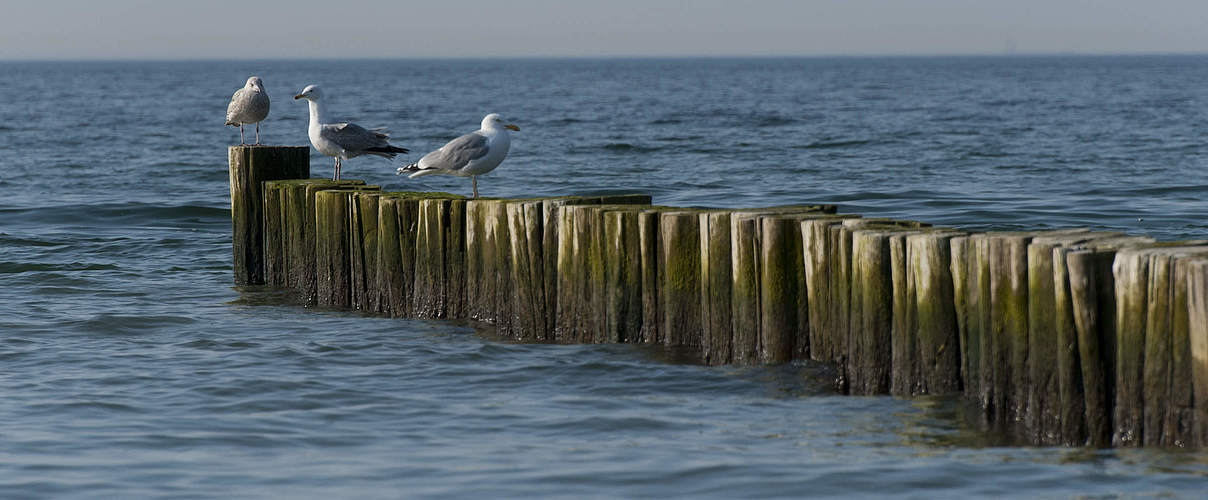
(716, 281)
(744, 288)
(784, 321)
(870, 359)
(679, 279)
(528, 269)
(249, 167)
(1197, 311)
(935, 322)
(623, 276)
(336, 241)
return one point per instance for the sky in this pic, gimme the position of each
(304, 29)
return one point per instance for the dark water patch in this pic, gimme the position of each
(116, 214)
(26, 267)
(625, 147)
(127, 324)
(828, 144)
(8, 240)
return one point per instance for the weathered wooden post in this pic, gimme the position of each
(1197, 312)
(679, 279)
(623, 275)
(337, 236)
(870, 361)
(716, 281)
(249, 167)
(528, 270)
(935, 324)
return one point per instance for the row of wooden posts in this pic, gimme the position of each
(1070, 336)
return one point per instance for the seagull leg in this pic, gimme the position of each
(257, 133)
(241, 141)
(474, 182)
(335, 176)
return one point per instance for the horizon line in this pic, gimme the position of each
(615, 57)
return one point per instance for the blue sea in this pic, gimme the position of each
(131, 367)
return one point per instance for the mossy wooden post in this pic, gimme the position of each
(1179, 419)
(679, 279)
(298, 223)
(981, 331)
(959, 267)
(274, 234)
(783, 318)
(334, 242)
(1092, 293)
(821, 270)
(936, 330)
(389, 258)
(480, 295)
(1197, 310)
(1071, 397)
(528, 290)
(249, 167)
(1131, 272)
(364, 261)
(456, 305)
(744, 288)
(623, 276)
(498, 267)
(580, 268)
(309, 287)
(1042, 415)
(716, 282)
(430, 292)
(1009, 323)
(840, 299)
(870, 360)
(906, 369)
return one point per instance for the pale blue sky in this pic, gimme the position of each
(144, 29)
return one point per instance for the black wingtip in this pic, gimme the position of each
(414, 167)
(389, 149)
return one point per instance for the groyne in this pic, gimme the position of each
(1072, 336)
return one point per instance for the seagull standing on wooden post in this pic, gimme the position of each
(248, 105)
(343, 140)
(470, 155)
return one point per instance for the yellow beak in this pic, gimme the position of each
(512, 126)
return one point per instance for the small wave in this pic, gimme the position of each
(118, 214)
(834, 144)
(22, 267)
(10, 240)
(626, 147)
(774, 121)
(666, 121)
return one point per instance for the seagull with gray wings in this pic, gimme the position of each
(343, 140)
(248, 105)
(470, 155)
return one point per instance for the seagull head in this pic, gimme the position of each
(310, 93)
(254, 83)
(493, 120)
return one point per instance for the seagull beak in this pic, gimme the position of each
(512, 126)
(299, 96)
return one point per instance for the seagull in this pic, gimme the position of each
(470, 155)
(248, 105)
(343, 140)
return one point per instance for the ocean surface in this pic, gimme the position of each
(131, 368)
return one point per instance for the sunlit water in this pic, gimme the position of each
(131, 368)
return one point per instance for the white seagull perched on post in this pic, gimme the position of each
(248, 105)
(470, 155)
(343, 140)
